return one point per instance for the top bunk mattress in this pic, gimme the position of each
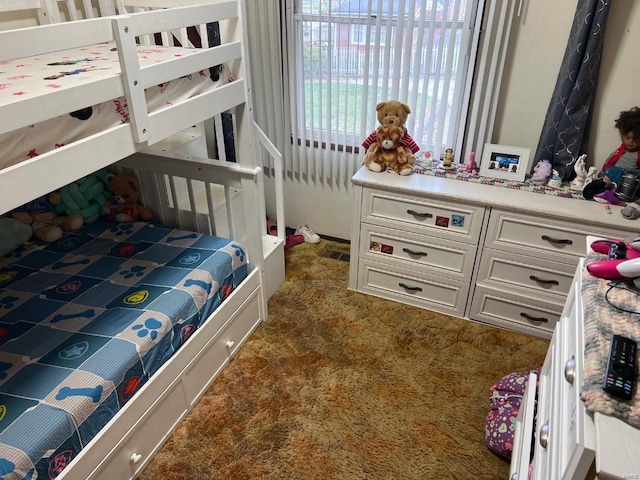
(35, 77)
(87, 320)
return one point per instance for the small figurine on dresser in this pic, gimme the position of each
(626, 158)
(471, 165)
(447, 161)
(541, 172)
(555, 181)
(581, 173)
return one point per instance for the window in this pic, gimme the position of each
(350, 54)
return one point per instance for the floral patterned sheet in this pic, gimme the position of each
(36, 76)
(87, 320)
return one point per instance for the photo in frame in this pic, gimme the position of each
(502, 161)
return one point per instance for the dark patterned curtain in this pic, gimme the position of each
(565, 134)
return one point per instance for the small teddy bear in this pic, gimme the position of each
(125, 205)
(387, 152)
(393, 112)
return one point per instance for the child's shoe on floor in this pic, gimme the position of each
(309, 235)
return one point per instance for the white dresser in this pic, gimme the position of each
(487, 253)
(570, 442)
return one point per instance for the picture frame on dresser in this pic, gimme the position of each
(505, 162)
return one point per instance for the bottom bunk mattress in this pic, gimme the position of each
(87, 320)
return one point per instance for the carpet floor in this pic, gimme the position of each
(342, 385)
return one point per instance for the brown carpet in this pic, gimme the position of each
(341, 385)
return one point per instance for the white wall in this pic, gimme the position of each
(538, 48)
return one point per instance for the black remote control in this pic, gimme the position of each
(621, 368)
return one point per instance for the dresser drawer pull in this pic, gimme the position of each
(543, 281)
(544, 435)
(532, 318)
(413, 252)
(570, 370)
(418, 214)
(563, 241)
(413, 289)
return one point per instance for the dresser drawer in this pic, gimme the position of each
(515, 312)
(410, 250)
(529, 273)
(540, 237)
(455, 221)
(407, 286)
(520, 458)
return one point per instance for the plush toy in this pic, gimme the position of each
(85, 196)
(541, 172)
(388, 153)
(393, 112)
(45, 223)
(125, 205)
(12, 234)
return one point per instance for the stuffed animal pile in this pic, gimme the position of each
(101, 194)
(393, 112)
(46, 224)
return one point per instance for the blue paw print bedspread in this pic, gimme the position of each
(84, 323)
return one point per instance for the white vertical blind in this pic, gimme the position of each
(322, 65)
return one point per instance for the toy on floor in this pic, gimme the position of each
(387, 152)
(393, 112)
(624, 159)
(125, 206)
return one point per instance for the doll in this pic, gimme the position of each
(625, 157)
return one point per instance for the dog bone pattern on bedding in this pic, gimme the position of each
(85, 321)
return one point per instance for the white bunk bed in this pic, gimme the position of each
(186, 191)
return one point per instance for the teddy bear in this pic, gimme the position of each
(125, 205)
(394, 112)
(387, 152)
(45, 223)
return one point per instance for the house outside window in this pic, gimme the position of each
(351, 54)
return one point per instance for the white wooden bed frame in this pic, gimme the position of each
(158, 147)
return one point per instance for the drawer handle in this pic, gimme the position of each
(544, 435)
(135, 458)
(418, 214)
(543, 281)
(413, 289)
(532, 318)
(570, 370)
(229, 344)
(413, 252)
(562, 241)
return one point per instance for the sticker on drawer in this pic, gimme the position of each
(442, 221)
(381, 247)
(457, 221)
